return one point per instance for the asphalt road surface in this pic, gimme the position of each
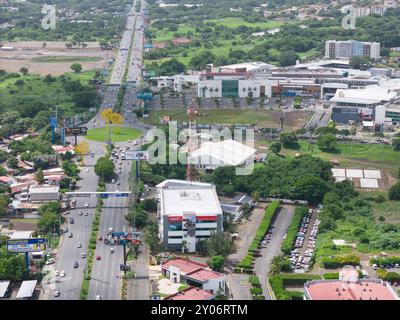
(262, 264)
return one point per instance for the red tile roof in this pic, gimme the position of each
(184, 265)
(191, 293)
(341, 290)
(204, 274)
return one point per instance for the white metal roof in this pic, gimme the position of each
(190, 199)
(369, 95)
(21, 235)
(227, 152)
(53, 189)
(174, 182)
(3, 288)
(27, 288)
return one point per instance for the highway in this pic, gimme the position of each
(104, 281)
(68, 253)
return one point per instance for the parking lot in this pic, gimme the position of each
(304, 246)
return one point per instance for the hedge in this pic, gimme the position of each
(331, 275)
(256, 291)
(269, 213)
(385, 261)
(254, 281)
(278, 283)
(259, 298)
(340, 261)
(293, 229)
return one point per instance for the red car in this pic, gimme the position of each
(98, 258)
(100, 238)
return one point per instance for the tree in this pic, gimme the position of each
(39, 177)
(288, 58)
(360, 62)
(76, 67)
(275, 147)
(137, 216)
(220, 243)
(12, 266)
(24, 70)
(396, 144)
(70, 168)
(4, 202)
(82, 149)
(12, 163)
(216, 263)
(104, 168)
(171, 67)
(49, 222)
(3, 171)
(394, 192)
(288, 139)
(151, 237)
(311, 188)
(279, 264)
(327, 142)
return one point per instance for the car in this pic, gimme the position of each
(86, 214)
(71, 220)
(100, 238)
(81, 213)
(86, 204)
(76, 264)
(98, 297)
(50, 261)
(87, 169)
(56, 293)
(83, 255)
(57, 273)
(70, 235)
(112, 250)
(65, 213)
(98, 258)
(79, 245)
(62, 274)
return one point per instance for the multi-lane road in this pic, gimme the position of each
(104, 281)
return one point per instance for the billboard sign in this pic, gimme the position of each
(136, 155)
(76, 131)
(189, 223)
(26, 245)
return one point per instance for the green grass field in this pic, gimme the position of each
(118, 134)
(35, 87)
(71, 59)
(354, 155)
(166, 35)
(232, 22)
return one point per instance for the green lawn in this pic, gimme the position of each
(166, 35)
(35, 87)
(118, 134)
(390, 210)
(232, 22)
(354, 155)
(64, 59)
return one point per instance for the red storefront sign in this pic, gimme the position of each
(174, 218)
(206, 218)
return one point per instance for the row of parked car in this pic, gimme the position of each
(267, 238)
(302, 262)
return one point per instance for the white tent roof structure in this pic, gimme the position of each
(227, 153)
(3, 288)
(26, 290)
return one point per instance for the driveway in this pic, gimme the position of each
(279, 228)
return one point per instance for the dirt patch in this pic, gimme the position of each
(23, 226)
(33, 55)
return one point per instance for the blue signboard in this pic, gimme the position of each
(117, 195)
(26, 245)
(53, 122)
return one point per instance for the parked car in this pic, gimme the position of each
(50, 261)
(56, 293)
(76, 264)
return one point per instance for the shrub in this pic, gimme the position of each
(340, 261)
(256, 291)
(331, 275)
(254, 281)
(278, 282)
(259, 298)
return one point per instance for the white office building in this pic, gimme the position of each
(351, 48)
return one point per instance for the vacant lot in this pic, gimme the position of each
(53, 58)
(118, 134)
(262, 118)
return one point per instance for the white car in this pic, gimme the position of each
(50, 261)
(112, 250)
(87, 169)
(83, 255)
(57, 273)
(79, 245)
(98, 297)
(87, 204)
(56, 293)
(62, 274)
